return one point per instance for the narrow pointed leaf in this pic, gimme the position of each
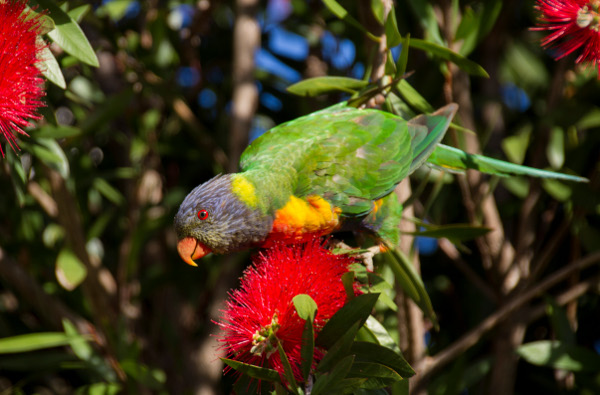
(558, 355)
(411, 282)
(306, 308)
(372, 352)
(328, 382)
(356, 310)
(50, 69)
(68, 35)
(287, 368)
(253, 371)
(379, 332)
(465, 64)
(33, 341)
(57, 132)
(454, 232)
(392, 35)
(403, 59)
(341, 13)
(78, 13)
(320, 85)
(348, 282)
(413, 98)
(475, 25)
(377, 375)
(339, 350)
(308, 348)
(454, 159)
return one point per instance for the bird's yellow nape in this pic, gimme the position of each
(190, 249)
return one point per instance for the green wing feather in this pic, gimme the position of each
(349, 156)
(454, 159)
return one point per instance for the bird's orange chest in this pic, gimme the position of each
(302, 219)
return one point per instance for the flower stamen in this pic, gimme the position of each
(264, 340)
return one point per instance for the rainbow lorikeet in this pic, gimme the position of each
(320, 173)
(327, 171)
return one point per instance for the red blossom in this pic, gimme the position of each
(21, 86)
(573, 25)
(261, 311)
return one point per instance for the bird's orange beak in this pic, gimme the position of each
(190, 249)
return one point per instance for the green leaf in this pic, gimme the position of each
(253, 371)
(329, 382)
(465, 64)
(524, 66)
(356, 310)
(46, 25)
(453, 159)
(379, 332)
(377, 375)
(403, 59)
(33, 341)
(308, 348)
(57, 132)
(50, 68)
(412, 97)
(557, 355)
(108, 191)
(390, 66)
(427, 19)
(78, 343)
(78, 13)
(339, 350)
(372, 352)
(287, 368)
(70, 271)
(68, 35)
(454, 232)
(319, 85)
(392, 34)
(518, 186)
(555, 150)
(558, 190)
(305, 306)
(476, 24)
(99, 389)
(400, 388)
(590, 120)
(149, 377)
(115, 9)
(410, 281)
(515, 147)
(18, 176)
(341, 13)
(348, 282)
(51, 154)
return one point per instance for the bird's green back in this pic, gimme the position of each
(348, 156)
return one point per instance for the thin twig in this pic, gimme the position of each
(441, 359)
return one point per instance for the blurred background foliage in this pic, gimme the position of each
(93, 297)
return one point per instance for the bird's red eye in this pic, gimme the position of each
(202, 215)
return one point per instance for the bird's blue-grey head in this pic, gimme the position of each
(212, 218)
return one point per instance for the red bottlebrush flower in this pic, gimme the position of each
(21, 86)
(574, 24)
(261, 312)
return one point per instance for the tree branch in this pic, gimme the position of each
(441, 359)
